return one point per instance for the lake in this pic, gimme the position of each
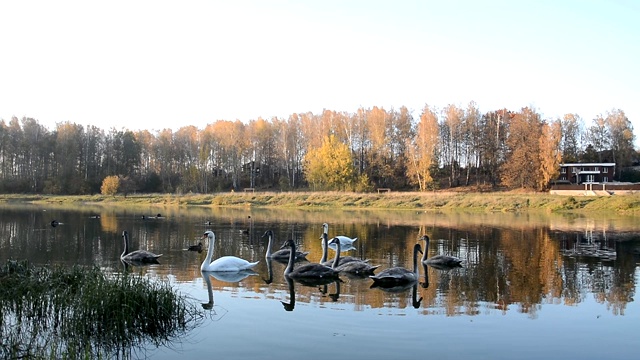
(532, 285)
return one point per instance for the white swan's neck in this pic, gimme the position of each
(212, 240)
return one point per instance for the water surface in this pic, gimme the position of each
(531, 285)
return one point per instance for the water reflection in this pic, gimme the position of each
(511, 261)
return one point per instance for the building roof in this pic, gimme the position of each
(589, 164)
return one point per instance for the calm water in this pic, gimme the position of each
(532, 286)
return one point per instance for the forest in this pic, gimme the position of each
(371, 148)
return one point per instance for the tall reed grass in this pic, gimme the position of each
(59, 313)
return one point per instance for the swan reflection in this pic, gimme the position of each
(269, 279)
(230, 277)
(288, 306)
(414, 297)
(207, 280)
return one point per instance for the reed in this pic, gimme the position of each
(81, 312)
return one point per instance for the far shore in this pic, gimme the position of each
(514, 201)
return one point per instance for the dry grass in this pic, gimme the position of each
(454, 201)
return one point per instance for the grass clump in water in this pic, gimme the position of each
(82, 313)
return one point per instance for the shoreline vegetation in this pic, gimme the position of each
(81, 312)
(510, 201)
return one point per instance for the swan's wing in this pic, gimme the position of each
(312, 270)
(393, 275)
(443, 260)
(230, 263)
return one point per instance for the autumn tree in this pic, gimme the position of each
(571, 125)
(330, 166)
(550, 154)
(421, 151)
(492, 143)
(621, 139)
(598, 138)
(452, 131)
(522, 167)
(472, 136)
(110, 185)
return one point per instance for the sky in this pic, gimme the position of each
(166, 64)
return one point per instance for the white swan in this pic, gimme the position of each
(225, 263)
(438, 261)
(138, 256)
(342, 259)
(345, 241)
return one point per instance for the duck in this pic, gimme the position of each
(398, 276)
(197, 247)
(307, 271)
(344, 240)
(341, 259)
(281, 255)
(225, 263)
(55, 223)
(137, 256)
(438, 261)
(352, 267)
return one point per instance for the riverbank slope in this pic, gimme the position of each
(428, 201)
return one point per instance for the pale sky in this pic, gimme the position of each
(166, 64)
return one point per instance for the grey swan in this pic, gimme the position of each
(438, 261)
(341, 259)
(344, 240)
(307, 271)
(281, 255)
(225, 263)
(137, 256)
(361, 268)
(398, 276)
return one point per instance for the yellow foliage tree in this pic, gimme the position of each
(110, 185)
(421, 151)
(550, 154)
(330, 166)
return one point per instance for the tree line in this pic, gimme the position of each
(371, 148)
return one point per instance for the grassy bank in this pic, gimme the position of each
(55, 313)
(436, 201)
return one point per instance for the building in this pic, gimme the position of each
(586, 173)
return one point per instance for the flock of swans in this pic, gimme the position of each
(231, 267)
